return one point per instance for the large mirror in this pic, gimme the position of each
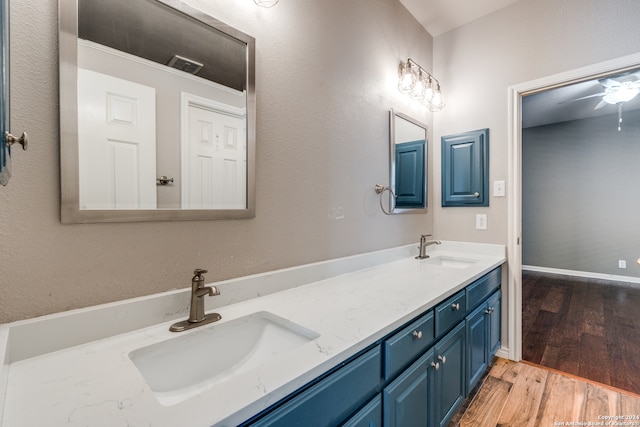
(408, 164)
(157, 113)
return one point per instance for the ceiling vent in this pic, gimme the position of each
(185, 64)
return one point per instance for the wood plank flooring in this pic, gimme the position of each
(585, 327)
(524, 395)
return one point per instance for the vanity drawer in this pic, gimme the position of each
(408, 344)
(450, 312)
(332, 399)
(479, 290)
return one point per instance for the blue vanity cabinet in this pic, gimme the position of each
(333, 398)
(408, 400)
(465, 169)
(450, 388)
(369, 416)
(483, 337)
(418, 375)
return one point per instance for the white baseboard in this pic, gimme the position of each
(614, 277)
(503, 353)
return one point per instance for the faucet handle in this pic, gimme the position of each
(199, 271)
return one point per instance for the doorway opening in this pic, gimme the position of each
(597, 73)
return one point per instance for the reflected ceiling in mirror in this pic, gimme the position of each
(408, 164)
(157, 113)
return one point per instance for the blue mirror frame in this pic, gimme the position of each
(4, 93)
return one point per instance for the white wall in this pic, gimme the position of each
(477, 62)
(326, 76)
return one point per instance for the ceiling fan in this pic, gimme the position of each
(616, 91)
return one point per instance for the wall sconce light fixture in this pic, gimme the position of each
(420, 85)
(266, 3)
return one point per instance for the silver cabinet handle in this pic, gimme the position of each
(476, 194)
(455, 306)
(443, 359)
(487, 311)
(417, 335)
(435, 366)
(23, 140)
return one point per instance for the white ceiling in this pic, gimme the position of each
(440, 16)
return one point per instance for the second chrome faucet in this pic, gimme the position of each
(196, 309)
(422, 254)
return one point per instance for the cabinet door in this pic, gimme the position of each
(369, 416)
(477, 344)
(406, 401)
(331, 400)
(450, 381)
(465, 169)
(494, 305)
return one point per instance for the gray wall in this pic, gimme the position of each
(581, 195)
(326, 77)
(527, 40)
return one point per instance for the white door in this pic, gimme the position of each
(116, 143)
(216, 159)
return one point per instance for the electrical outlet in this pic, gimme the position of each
(481, 221)
(622, 263)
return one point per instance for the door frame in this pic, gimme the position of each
(514, 155)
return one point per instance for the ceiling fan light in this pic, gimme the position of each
(622, 94)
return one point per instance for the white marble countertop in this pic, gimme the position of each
(95, 383)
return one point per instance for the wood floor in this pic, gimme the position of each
(586, 327)
(523, 395)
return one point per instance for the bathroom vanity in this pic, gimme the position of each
(365, 339)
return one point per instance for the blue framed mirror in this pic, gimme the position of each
(5, 170)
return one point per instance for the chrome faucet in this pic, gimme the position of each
(196, 309)
(423, 246)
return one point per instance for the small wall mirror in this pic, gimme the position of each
(408, 158)
(157, 113)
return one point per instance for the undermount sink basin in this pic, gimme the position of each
(183, 366)
(451, 261)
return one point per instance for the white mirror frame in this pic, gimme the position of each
(70, 211)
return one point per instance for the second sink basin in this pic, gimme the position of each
(451, 261)
(181, 367)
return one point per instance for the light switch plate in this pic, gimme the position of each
(498, 189)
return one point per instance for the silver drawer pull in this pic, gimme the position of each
(435, 366)
(476, 194)
(417, 335)
(488, 311)
(443, 359)
(455, 306)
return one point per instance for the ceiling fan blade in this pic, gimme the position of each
(583, 97)
(601, 104)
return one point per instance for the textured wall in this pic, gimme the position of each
(580, 198)
(525, 41)
(326, 76)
